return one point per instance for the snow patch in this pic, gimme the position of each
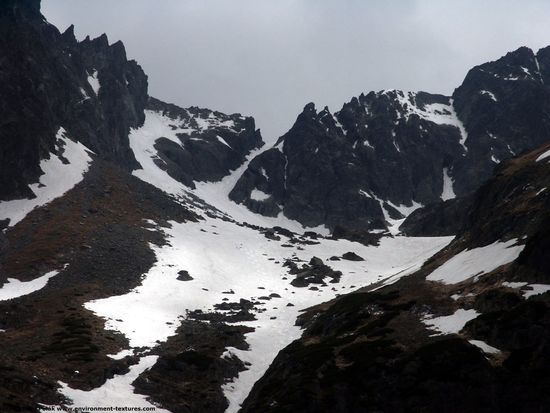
(258, 195)
(58, 178)
(484, 346)
(490, 94)
(544, 156)
(450, 324)
(475, 262)
(367, 144)
(528, 290)
(438, 113)
(222, 140)
(142, 141)
(448, 191)
(514, 284)
(121, 354)
(15, 288)
(536, 289)
(212, 121)
(94, 82)
(338, 124)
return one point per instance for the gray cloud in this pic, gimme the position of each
(268, 58)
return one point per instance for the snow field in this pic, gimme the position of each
(231, 257)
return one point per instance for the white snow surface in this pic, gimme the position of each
(258, 195)
(475, 262)
(223, 141)
(484, 346)
(536, 289)
(117, 391)
(57, 179)
(94, 82)
(15, 288)
(448, 191)
(514, 284)
(528, 290)
(544, 156)
(450, 324)
(232, 257)
(490, 94)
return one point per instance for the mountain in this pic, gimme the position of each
(386, 153)
(159, 257)
(57, 91)
(49, 81)
(468, 332)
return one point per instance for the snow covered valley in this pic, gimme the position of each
(390, 256)
(232, 262)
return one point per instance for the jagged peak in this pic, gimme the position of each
(543, 51)
(119, 49)
(510, 65)
(520, 52)
(69, 31)
(100, 41)
(310, 108)
(68, 34)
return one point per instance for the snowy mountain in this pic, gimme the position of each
(385, 153)
(162, 257)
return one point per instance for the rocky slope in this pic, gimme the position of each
(468, 332)
(386, 152)
(128, 277)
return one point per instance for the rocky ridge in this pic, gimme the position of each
(385, 153)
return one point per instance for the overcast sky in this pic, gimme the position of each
(268, 58)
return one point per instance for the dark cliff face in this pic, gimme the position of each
(504, 106)
(356, 167)
(49, 80)
(392, 148)
(372, 351)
